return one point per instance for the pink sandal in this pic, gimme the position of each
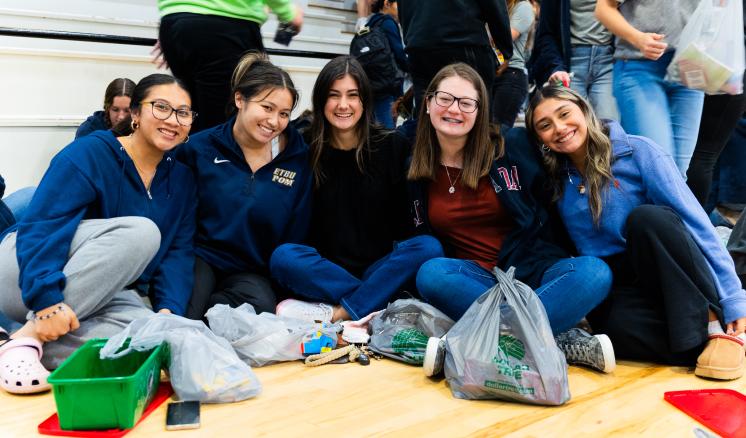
(21, 371)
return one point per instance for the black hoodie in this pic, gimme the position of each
(429, 24)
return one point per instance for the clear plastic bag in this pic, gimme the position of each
(503, 348)
(710, 51)
(402, 330)
(266, 338)
(202, 367)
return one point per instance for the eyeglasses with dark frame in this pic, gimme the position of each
(162, 111)
(465, 104)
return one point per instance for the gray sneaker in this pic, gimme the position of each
(582, 348)
(435, 355)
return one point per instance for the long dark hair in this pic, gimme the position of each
(320, 131)
(598, 156)
(479, 150)
(117, 87)
(254, 74)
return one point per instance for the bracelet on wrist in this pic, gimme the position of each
(59, 309)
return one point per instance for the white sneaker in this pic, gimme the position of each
(435, 355)
(305, 311)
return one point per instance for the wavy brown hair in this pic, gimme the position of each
(598, 158)
(479, 151)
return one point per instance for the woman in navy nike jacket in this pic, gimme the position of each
(254, 186)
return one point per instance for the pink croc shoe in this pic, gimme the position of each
(21, 371)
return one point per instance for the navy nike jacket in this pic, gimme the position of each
(243, 216)
(94, 178)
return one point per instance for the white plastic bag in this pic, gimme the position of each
(266, 338)
(203, 367)
(503, 348)
(710, 52)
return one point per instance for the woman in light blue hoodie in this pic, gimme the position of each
(622, 199)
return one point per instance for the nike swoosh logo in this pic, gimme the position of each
(216, 161)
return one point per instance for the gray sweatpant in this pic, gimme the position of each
(105, 256)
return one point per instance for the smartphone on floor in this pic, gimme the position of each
(182, 415)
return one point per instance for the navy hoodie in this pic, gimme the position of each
(538, 239)
(243, 216)
(94, 178)
(94, 122)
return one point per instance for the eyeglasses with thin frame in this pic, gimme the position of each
(465, 104)
(162, 111)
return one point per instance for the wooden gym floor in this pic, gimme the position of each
(388, 398)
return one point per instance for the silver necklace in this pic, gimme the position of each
(451, 189)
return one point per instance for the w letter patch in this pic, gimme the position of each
(512, 182)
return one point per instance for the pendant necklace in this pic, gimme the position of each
(451, 189)
(580, 187)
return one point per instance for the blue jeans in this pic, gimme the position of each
(382, 111)
(19, 200)
(593, 67)
(666, 112)
(569, 289)
(302, 270)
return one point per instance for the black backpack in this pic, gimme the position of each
(371, 48)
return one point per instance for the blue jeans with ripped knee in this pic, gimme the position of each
(569, 289)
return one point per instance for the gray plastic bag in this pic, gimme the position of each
(202, 367)
(265, 338)
(503, 348)
(402, 330)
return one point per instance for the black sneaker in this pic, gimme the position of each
(435, 355)
(582, 348)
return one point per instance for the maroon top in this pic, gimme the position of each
(471, 224)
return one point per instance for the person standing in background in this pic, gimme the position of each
(202, 41)
(448, 31)
(511, 86)
(647, 35)
(570, 41)
(386, 15)
(721, 115)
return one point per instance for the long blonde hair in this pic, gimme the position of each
(598, 156)
(479, 151)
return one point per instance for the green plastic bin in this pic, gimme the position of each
(91, 393)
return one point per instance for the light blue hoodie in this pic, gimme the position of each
(644, 174)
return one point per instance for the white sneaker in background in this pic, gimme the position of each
(311, 312)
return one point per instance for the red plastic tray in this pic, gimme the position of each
(722, 410)
(51, 426)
